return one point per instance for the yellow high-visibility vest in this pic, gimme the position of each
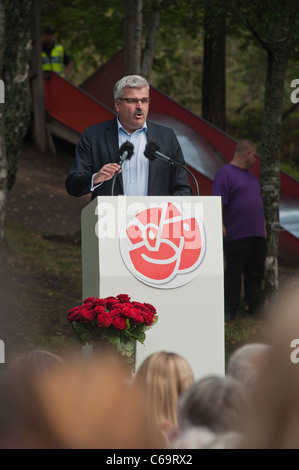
(54, 63)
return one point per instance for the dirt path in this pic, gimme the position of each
(38, 198)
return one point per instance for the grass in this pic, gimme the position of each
(45, 277)
(242, 330)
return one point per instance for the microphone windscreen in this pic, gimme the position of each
(127, 147)
(150, 149)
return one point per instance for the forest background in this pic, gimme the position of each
(93, 31)
(231, 62)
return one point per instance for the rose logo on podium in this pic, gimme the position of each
(163, 245)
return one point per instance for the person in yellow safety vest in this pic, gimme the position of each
(54, 57)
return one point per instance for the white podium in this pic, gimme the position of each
(166, 251)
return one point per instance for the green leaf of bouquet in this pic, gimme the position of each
(119, 348)
(112, 337)
(130, 346)
(140, 337)
(78, 327)
(129, 353)
(138, 329)
(82, 331)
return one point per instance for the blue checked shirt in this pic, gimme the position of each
(135, 171)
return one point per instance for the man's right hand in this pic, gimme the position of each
(106, 173)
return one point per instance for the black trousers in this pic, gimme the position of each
(244, 258)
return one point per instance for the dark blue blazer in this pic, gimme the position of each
(99, 145)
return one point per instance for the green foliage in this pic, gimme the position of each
(266, 21)
(291, 168)
(93, 33)
(90, 31)
(83, 331)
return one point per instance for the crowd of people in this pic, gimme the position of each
(54, 402)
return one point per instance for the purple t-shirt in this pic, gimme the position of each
(243, 210)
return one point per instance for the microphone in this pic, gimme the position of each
(126, 151)
(152, 151)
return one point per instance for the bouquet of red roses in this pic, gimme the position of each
(116, 319)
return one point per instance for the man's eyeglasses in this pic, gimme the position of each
(136, 100)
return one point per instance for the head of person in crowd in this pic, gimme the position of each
(246, 362)
(131, 101)
(22, 421)
(196, 437)
(165, 376)
(85, 404)
(226, 440)
(216, 402)
(35, 361)
(274, 406)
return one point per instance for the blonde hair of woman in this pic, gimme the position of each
(165, 376)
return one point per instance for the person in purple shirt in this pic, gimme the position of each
(244, 234)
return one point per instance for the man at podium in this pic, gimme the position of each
(110, 160)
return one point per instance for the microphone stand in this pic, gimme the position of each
(126, 152)
(114, 179)
(173, 162)
(190, 173)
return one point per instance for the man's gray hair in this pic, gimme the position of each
(130, 81)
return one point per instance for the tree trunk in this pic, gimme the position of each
(128, 34)
(3, 168)
(17, 56)
(132, 35)
(37, 83)
(270, 158)
(213, 87)
(137, 44)
(150, 45)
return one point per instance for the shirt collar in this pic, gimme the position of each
(120, 127)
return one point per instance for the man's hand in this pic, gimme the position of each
(106, 173)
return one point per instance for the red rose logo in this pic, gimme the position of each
(163, 243)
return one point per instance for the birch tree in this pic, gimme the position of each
(151, 38)
(274, 25)
(17, 56)
(141, 25)
(3, 168)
